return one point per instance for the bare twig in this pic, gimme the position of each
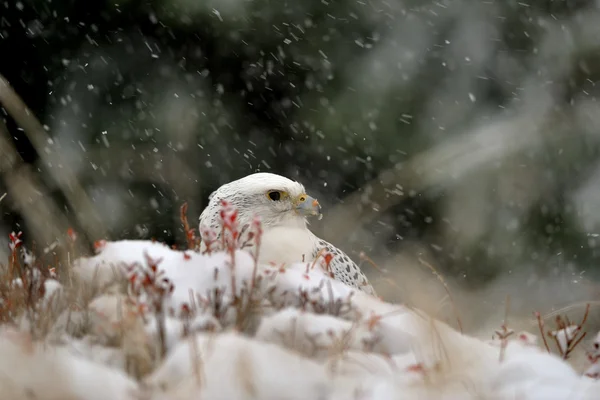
(567, 334)
(570, 307)
(504, 331)
(365, 257)
(196, 360)
(441, 279)
(572, 336)
(540, 321)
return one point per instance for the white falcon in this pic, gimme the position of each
(282, 206)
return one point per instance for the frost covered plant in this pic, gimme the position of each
(229, 238)
(229, 227)
(256, 235)
(209, 237)
(593, 356)
(23, 291)
(232, 238)
(148, 289)
(504, 332)
(567, 335)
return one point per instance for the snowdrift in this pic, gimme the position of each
(140, 320)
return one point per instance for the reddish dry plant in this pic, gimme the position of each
(418, 368)
(231, 236)
(424, 371)
(567, 335)
(229, 240)
(373, 321)
(229, 227)
(593, 371)
(24, 285)
(504, 332)
(193, 242)
(186, 315)
(327, 257)
(311, 299)
(255, 234)
(209, 238)
(13, 262)
(593, 356)
(150, 282)
(71, 234)
(218, 301)
(541, 325)
(99, 245)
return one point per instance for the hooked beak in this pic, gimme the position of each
(307, 206)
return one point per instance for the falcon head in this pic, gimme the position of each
(276, 200)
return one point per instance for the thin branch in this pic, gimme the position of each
(504, 331)
(570, 307)
(541, 327)
(441, 279)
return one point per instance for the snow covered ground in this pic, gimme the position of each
(144, 321)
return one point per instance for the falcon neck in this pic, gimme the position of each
(289, 221)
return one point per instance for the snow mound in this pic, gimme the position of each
(148, 322)
(33, 371)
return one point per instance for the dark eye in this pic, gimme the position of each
(274, 195)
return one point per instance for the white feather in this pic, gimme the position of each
(283, 244)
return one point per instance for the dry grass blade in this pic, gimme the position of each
(568, 308)
(44, 218)
(368, 259)
(566, 334)
(504, 331)
(441, 279)
(540, 322)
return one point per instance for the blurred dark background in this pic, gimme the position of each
(464, 132)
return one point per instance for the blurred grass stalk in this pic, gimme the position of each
(445, 164)
(43, 216)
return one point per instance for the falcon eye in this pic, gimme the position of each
(274, 195)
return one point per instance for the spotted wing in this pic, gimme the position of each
(343, 268)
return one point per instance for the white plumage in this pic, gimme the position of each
(282, 206)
